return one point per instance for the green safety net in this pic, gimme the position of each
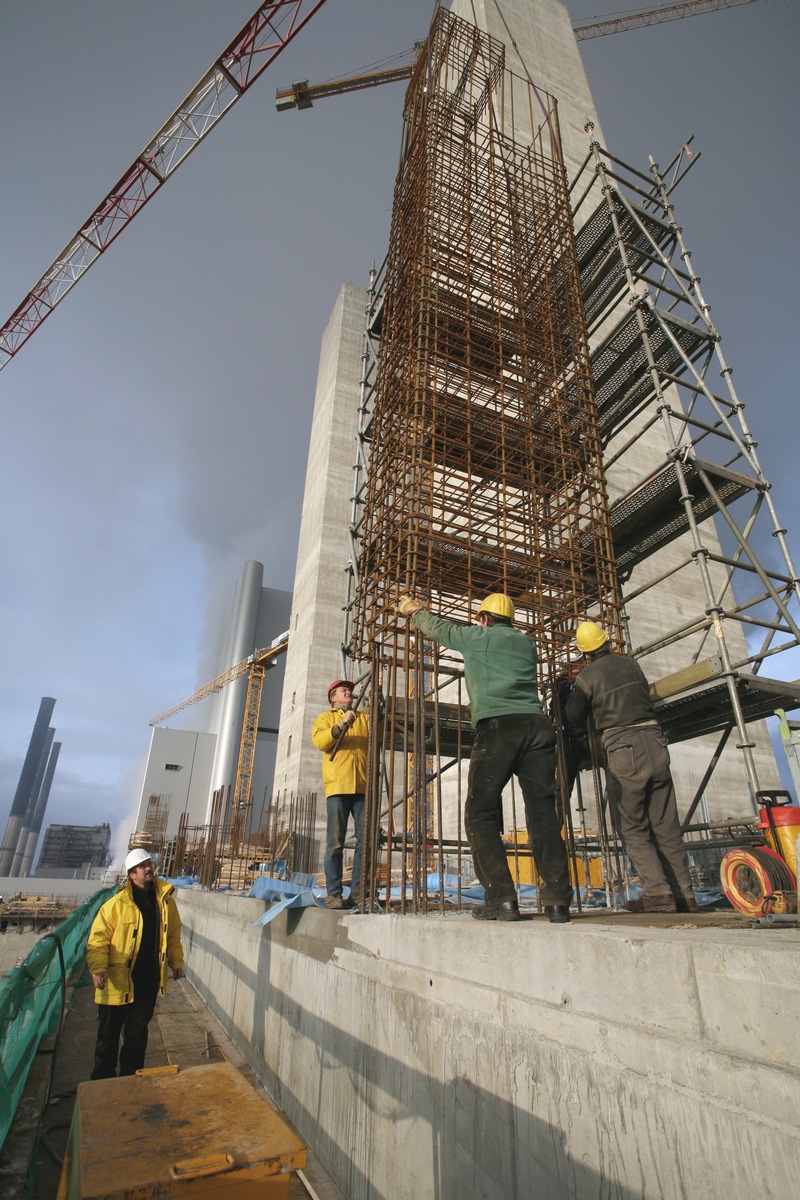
(31, 999)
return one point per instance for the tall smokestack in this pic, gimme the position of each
(26, 783)
(30, 808)
(38, 816)
(243, 642)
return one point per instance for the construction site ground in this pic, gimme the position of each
(182, 1032)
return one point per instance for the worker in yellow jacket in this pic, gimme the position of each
(134, 939)
(344, 778)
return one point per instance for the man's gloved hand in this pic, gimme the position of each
(407, 605)
(344, 723)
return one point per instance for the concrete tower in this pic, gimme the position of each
(27, 781)
(316, 626)
(32, 840)
(545, 52)
(29, 820)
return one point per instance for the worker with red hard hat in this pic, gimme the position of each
(344, 777)
(513, 737)
(613, 689)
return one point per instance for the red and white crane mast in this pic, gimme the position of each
(271, 28)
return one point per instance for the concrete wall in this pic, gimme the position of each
(317, 622)
(438, 1057)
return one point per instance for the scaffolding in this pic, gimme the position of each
(496, 451)
(481, 444)
(693, 518)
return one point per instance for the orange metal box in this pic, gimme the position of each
(169, 1133)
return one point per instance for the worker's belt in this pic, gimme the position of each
(615, 729)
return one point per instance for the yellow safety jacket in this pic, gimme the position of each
(116, 935)
(347, 774)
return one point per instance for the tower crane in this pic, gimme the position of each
(255, 666)
(302, 94)
(653, 16)
(259, 42)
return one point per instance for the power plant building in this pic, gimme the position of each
(74, 851)
(186, 767)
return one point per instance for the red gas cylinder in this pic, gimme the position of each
(781, 825)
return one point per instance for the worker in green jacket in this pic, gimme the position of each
(513, 737)
(134, 939)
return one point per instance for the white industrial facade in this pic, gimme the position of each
(185, 766)
(176, 780)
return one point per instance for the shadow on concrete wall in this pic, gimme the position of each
(388, 1131)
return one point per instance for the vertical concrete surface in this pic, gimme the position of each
(16, 817)
(41, 808)
(438, 1057)
(317, 620)
(546, 50)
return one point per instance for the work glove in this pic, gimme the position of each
(407, 605)
(344, 723)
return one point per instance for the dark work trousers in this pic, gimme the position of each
(521, 744)
(642, 797)
(577, 757)
(130, 1020)
(339, 809)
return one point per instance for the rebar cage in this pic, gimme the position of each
(485, 458)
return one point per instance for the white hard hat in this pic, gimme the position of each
(135, 858)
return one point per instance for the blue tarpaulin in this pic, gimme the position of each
(297, 892)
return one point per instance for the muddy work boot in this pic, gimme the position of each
(685, 904)
(502, 910)
(652, 904)
(339, 902)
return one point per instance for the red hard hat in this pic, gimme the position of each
(339, 683)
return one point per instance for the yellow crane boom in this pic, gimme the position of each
(259, 658)
(302, 95)
(255, 666)
(653, 16)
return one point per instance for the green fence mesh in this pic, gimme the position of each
(30, 1002)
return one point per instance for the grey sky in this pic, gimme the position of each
(155, 427)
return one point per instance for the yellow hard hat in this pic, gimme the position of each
(590, 637)
(499, 605)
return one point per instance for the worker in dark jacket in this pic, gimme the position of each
(613, 688)
(577, 750)
(513, 737)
